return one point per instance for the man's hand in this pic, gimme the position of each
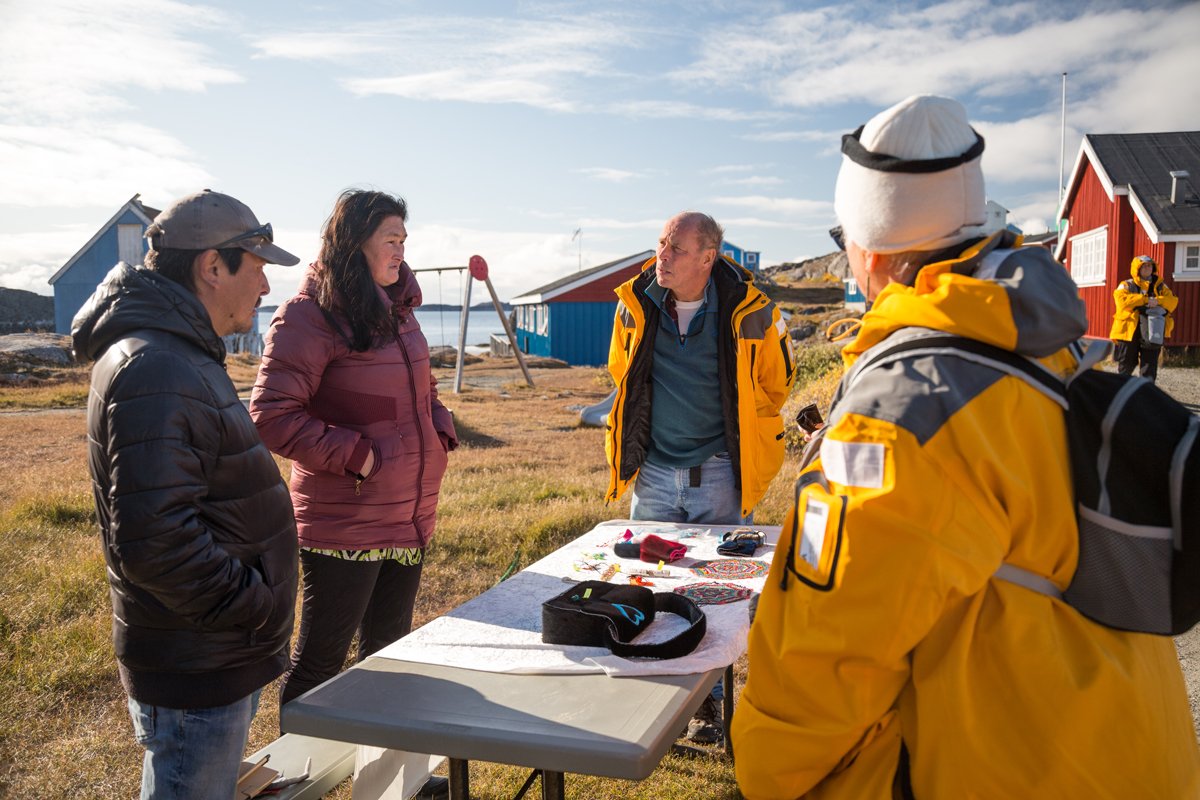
(1152, 302)
(370, 462)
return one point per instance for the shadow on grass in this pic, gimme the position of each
(475, 438)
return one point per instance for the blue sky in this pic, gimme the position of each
(509, 125)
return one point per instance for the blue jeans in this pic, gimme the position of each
(192, 753)
(665, 494)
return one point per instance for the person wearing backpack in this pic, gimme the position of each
(1136, 333)
(888, 658)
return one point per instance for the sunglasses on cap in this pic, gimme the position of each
(261, 232)
(839, 237)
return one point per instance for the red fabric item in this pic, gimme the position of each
(656, 548)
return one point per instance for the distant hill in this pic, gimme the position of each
(812, 268)
(21, 311)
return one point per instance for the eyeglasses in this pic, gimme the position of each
(262, 232)
(839, 237)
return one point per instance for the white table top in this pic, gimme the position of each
(577, 721)
(500, 630)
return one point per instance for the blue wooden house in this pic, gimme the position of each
(854, 297)
(750, 259)
(122, 238)
(572, 318)
(119, 239)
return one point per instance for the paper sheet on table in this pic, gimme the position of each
(501, 629)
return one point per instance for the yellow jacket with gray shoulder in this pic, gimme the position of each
(885, 653)
(756, 368)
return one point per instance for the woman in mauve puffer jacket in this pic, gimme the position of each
(345, 391)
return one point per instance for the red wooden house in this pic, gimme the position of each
(1134, 194)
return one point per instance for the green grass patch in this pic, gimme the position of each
(815, 360)
(68, 510)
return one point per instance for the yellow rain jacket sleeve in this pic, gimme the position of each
(882, 625)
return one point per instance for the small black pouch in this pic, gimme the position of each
(599, 614)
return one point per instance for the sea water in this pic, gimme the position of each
(440, 327)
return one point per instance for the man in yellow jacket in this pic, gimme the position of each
(703, 363)
(1140, 299)
(886, 658)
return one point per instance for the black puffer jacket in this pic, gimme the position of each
(196, 521)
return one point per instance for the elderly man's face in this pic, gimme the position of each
(684, 263)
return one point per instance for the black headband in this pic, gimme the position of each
(853, 149)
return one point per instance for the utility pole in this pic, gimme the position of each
(578, 234)
(1062, 148)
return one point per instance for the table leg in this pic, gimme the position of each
(727, 709)
(553, 786)
(460, 779)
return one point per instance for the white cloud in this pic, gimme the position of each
(462, 85)
(1025, 149)
(1032, 225)
(1130, 69)
(533, 62)
(59, 164)
(829, 137)
(517, 260)
(609, 174)
(63, 59)
(678, 109)
(66, 138)
(848, 53)
(788, 206)
(29, 258)
(755, 180)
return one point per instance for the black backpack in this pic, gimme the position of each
(1135, 464)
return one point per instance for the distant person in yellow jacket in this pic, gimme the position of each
(887, 659)
(1139, 300)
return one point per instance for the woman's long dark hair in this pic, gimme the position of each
(345, 280)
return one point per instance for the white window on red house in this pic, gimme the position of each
(1187, 261)
(1089, 252)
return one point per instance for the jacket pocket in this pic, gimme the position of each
(767, 455)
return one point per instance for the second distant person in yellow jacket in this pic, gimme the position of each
(1138, 300)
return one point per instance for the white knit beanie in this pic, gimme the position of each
(911, 178)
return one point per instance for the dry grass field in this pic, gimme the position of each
(527, 479)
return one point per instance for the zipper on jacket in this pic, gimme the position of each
(358, 482)
(412, 388)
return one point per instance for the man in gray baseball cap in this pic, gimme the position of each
(195, 520)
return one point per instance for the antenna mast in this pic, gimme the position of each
(1062, 148)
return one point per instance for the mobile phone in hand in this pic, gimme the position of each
(809, 418)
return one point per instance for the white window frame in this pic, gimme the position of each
(1187, 265)
(1091, 247)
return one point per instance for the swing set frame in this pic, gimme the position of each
(477, 269)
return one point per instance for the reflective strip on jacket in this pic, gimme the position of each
(1131, 300)
(882, 623)
(757, 368)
